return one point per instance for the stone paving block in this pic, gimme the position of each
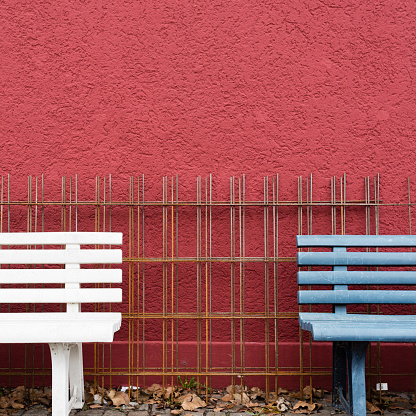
(36, 411)
(144, 406)
(161, 412)
(199, 413)
(114, 413)
(138, 413)
(91, 412)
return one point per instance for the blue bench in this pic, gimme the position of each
(351, 333)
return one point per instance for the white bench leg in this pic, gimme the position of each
(67, 371)
(60, 379)
(76, 376)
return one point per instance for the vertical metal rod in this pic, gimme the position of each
(8, 230)
(300, 227)
(207, 381)
(266, 283)
(96, 346)
(345, 199)
(28, 229)
(70, 204)
(241, 288)
(143, 282)
(76, 202)
(177, 271)
(43, 307)
(412, 287)
(103, 285)
(276, 276)
(210, 275)
(172, 287)
(110, 307)
(164, 254)
(377, 225)
(232, 280)
(138, 289)
(198, 277)
(309, 216)
(131, 285)
(243, 254)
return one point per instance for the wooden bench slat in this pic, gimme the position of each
(324, 327)
(356, 277)
(64, 295)
(366, 331)
(60, 238)
(356, 259)
(60, 256)
(50, 276)
(356, 241)
(305, 317)
(59, 327)
(347, 297)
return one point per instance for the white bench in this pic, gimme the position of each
(63, 331)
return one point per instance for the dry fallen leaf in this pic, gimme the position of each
(95, 406)
(120, 399)
(153, 388)
(176, 411)
(17, 405)
(218, 409)
(192, 402)
(44, 400)
(141, 396)
(241, 398)
(111, 394)
(168, 392)
(227, 398)
(4, 402)
(235, 389)
(256, 392)
(373, 409)
(307, 391)
(304, 407)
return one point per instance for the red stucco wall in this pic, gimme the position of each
(199, 87)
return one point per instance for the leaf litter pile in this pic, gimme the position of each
(185, 398)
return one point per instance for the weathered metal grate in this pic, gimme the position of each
(209, 273)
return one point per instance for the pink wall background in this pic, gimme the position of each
(198, 87)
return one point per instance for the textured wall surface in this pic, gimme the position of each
(194, 87)
(197, 87)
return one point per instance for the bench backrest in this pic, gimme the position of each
(339, 259)
(22, 251)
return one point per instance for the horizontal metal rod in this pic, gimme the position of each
(217, 315)
(208, 259)
(207, 373)
(190, 373)
(203, 204)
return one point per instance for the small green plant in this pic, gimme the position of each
(188, 384)
(255, 413)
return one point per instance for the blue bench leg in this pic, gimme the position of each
(356, 378)
(339, 374)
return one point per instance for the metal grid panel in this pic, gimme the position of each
(217, 235)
